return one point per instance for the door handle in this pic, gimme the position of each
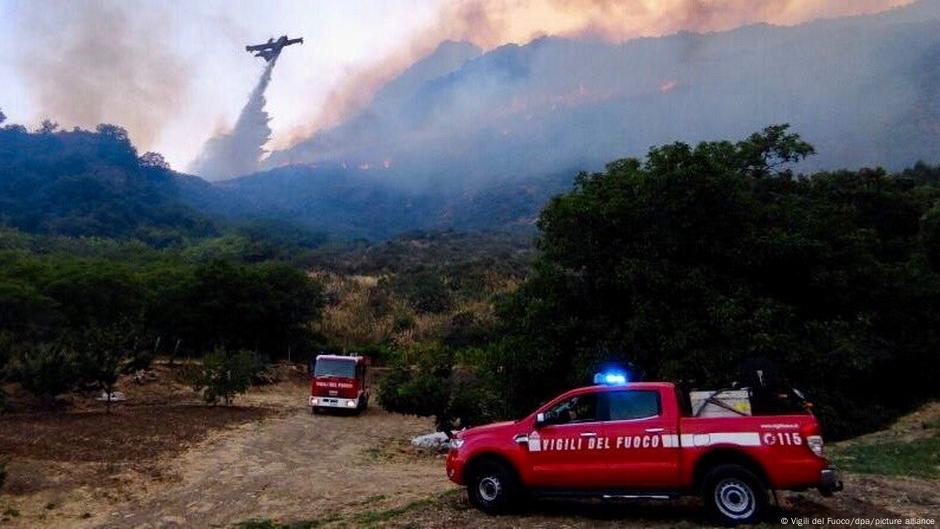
(589, 434)
(655, 430)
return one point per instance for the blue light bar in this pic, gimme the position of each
(610, 379)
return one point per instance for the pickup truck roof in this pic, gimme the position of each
(651, 386)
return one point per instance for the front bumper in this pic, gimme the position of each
(454, 467)
(334, 402)
(830, 481)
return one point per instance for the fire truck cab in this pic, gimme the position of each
(339, 383)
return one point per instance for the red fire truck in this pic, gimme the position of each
(639, 440)
(339, 382)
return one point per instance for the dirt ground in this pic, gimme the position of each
(269, 458)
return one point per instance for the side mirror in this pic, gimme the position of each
(544, 419)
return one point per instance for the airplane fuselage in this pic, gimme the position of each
(272, 49)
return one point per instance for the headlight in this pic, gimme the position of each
(350, 404)
(314, 401)
(456, 443)
(815, 443)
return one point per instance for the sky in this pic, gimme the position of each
(209, 71)
(176, 73)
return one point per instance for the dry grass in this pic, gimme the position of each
(362, 313)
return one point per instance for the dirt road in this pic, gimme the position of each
(297, 467)
(340, 471)
(288, 465)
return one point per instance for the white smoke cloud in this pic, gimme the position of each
(87, 63)
(238, 151)
(491, 23)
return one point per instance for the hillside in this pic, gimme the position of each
(351, 203)
(521, 111)
(84, 183)
(470, 140)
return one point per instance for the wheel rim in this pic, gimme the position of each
(735, 499)
(489, 488)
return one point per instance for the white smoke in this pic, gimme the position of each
(238, 151)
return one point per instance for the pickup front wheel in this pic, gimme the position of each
(734, 495)
(492, 488)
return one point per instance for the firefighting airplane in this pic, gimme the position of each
(272, 48)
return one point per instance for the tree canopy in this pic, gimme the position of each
(81, 183)
(696, 259)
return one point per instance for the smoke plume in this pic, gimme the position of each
(238, 151)
(92, 62)
(491, 23)
(566, 104)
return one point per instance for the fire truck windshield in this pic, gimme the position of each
(334, 367)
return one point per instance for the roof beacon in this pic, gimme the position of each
(610, 379)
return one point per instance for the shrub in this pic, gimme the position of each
(46, 370)
(465, 330)
(433, 387)
(413, 392)
(425, 291)
(223, 375)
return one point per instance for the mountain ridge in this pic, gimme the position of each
(619, 99)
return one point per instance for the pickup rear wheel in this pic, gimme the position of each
(734, 495)
(492, 488)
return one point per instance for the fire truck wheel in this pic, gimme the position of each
(492, 488)
(734, 495)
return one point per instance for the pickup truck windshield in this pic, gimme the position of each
(332, 367)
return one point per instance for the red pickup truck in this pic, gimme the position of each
(638, 440)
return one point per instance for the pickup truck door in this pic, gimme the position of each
(558, 454)
(641, 441)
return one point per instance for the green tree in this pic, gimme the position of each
(266, 307)
(224, 375)
(697, 259)
(433, 387)
(107, 352)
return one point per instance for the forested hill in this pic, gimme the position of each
(349, 203)
(91, 183)
(82, 183)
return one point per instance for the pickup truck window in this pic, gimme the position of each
(582, 408)
(626, 405)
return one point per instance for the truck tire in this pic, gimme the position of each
(493, 488)
(734, 495)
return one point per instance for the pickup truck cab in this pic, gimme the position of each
(637, 441)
